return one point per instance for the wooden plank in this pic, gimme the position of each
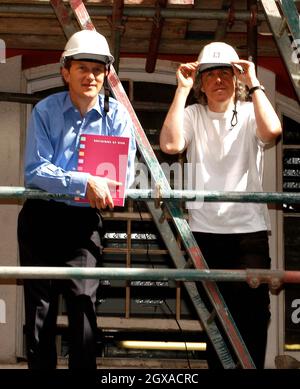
(266, 45)
(122, 250)
(34, 42)
(134, 324)
(174, 29)
(134, 216)
(153, 363)
(35, 26)
(104, 2)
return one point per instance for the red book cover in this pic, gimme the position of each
(105, 156)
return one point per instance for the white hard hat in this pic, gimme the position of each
(216, 54)
(88, 45)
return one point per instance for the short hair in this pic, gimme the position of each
(67, 63)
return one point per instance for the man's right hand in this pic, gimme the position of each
(186, 74)
(98, 192)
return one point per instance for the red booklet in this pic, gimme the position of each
(105, 156)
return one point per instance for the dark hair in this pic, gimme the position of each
(67, 63)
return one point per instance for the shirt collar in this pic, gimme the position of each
(68, 105)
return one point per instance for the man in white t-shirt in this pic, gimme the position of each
(224, 137)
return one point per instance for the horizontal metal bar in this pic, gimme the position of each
(23, 98)
(214, 196)
(13, 192)
(253, 276)
(116, 273)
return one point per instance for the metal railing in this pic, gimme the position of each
(254, 277)
(20, 193)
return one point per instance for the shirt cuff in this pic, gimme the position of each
(78, 183)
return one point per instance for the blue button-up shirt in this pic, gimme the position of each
(53, 135)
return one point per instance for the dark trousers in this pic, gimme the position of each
(55, 234)
(248, 306)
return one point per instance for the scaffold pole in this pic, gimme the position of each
(254, 277)
(16, 192)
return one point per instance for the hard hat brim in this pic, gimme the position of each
(210, 66)
(106, 59)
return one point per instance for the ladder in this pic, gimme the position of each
(284, 21)
(219, 306)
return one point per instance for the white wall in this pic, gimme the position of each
(10, 76)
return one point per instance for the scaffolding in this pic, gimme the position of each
(254, 277)
(163, 195)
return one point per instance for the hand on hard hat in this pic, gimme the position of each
(248, 74)
(186, 74)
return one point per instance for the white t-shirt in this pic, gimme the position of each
(223, 158)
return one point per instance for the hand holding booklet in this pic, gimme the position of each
(105, 156)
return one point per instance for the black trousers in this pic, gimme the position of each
(248, 306)
(51, 233)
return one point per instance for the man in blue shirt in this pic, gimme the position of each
(66, 232)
